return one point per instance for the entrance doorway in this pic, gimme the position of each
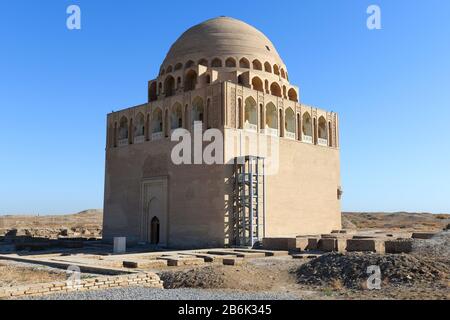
(154, 227)
(154, 211)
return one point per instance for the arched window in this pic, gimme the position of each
(240, 120)
(186, 117)
(169, 69)
(322, 131)
(283, 75)
(330, 135)
(315, 130)
(161, 71)
(230, 63)
(290, 123)
(267, 67)
(152, 96)
(216, 63)
(307, 127)
(292, 94)
(176, 117)
(197, 110)
(240, 79)
(157, 124)
(208, 114)
(257, 65)
(169, 86)
(276, 70)
(244, 63)
(257, 84)
(154, 231)
(114, 136)
(166, 125)
(189, 64)
(190, 80)
(281, 125)
(208, 79)
(299, 128)
(178, 82)
(275, 89)
(271, 119)
(250, 114)
(178, 66)
(261, 116)
(123, 128)
(139, 125)
(203, 62)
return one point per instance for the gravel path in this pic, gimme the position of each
(142, 293)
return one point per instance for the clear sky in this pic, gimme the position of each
(391, 88)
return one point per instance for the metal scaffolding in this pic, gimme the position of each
(249, 201)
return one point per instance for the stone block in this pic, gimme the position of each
(233, 261)
(280, 243)
(423, 235)
(398, 246)
(366, 245)
(120, 245)
(328, 244)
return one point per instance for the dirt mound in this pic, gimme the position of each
(350, 270)
(437, 247)
(204, 278)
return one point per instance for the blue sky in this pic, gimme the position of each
(391, 88)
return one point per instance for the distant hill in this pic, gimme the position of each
(394, 220)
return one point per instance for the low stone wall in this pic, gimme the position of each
(149, 279)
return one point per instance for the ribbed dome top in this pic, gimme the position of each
(220, 37)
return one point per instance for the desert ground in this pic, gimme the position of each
(422, 273)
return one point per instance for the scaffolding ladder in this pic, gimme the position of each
(249, 201)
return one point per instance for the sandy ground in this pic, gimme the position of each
(278, 275)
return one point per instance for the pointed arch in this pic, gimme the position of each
(178, 66)
(271, 116)
(267, 67)
(190, 80)
(157, 124)
(257, 65)
(139, 125)
(176, 116)
(250, 114)
(198, 110)
(244, 63)
(123, 128)
(276, 70)
(257, 84)
(290, 123)
(322, 131)
(189, 64)
(216, 63)
(152, 94)
(203, 62)
(230, 63)
(307, 127)
(292, 94)
(169, 86)
(275, 89)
